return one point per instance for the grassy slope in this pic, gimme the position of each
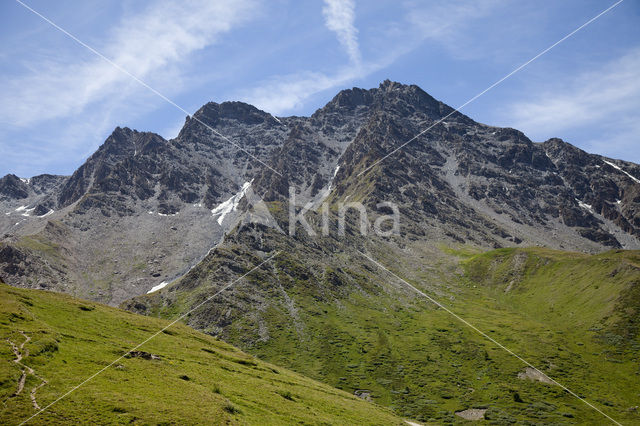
(566, 313)
(197, 379)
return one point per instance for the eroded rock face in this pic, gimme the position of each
(138, 211)
(13, 261)
(12, 187)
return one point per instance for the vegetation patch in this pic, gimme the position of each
(66, 348)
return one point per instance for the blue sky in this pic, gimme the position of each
(60, 101)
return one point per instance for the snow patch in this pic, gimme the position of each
(620, 169)
(584, 205)
(50, 212)
(319, 200)
(165, 215)
(226, 207)
(160, 286)
(26, 180)
(21, 208)
(335, 172)
(27, 212)
(618, 201)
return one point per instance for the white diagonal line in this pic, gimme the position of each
(119, 68)
(153, 335)
(485, 335)
(492, 86)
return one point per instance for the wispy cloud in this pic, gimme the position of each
(606, 94)
(69, 100)
(339, 17)
(285, 93)
(155, 40)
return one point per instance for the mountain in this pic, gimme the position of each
(177, 219)
(137, 213)
(181, 376)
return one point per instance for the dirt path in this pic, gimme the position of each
(17, 351)
(20, 353)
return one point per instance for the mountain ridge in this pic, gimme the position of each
(506, 185)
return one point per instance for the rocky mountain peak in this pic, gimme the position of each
(388, 93)
(392, 89)
(118, 143)
(12, 187)
(214, 113)
(126, 143)
(351, 98)
(558, 149)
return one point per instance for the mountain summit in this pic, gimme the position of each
(138, 211)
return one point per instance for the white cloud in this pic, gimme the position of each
(606, 94)
(150, 43)
(439, 22)
(339, 17)
(284, 93)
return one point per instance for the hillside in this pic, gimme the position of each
(356, 327)
(180, 377)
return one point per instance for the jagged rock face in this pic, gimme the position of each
(11, 187)
(309, 156)
(608, 186)
(463, 180)
(138, 211)
(117, 168)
